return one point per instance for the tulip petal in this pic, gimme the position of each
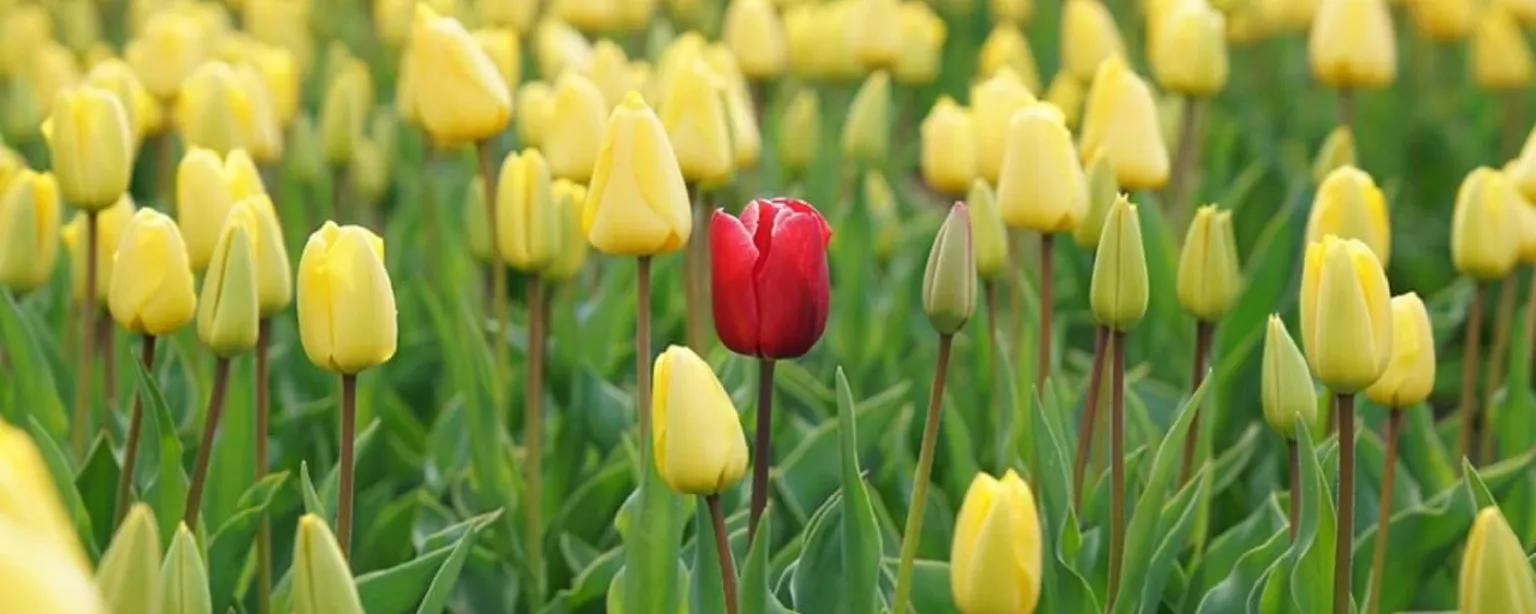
(733, 258)
(792, 285)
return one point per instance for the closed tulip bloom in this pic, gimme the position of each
(505, 52)
(344, 111)
(1338, 151)
(346, 303)
(29, 223)
(876, 32)
(1500, 57)
(516, 14)
(753, 32)
(322, 580)
(1522, 170)
(1495, 575)
(566, 198)
(1209, 275)
(740, 117)
(1067, 93)
(609, 71)
(528, 227)
(463, 98)
(1346, 314)
(42, 566)
(206, 189)
(949, 281)
(1042, 187)
(866, 132)
(922, 50)
(166, 52)
(306, 155)
(1442, 20)
(280, 71)
(1349, 205)
(1410, 374)
(1485, 241)
(1121, 117)
(1102, 192)
(110, 225)
(130, 568)
(1286, 388)
(228, 310)
(1006, 47)
(151, 292)
(993, 104)
(995, 563)
(578, 114)
(700, 448)
(185, 576)
(694, 116)
(115, 76)
(801, 121)
(989, 236)
(213, 110)
(559, 47)
(589, 15)
(535, 108)
(263, 136)
(1118, 289)
(1190, 54)
(1351, 44)
(91, 147)
(948, 154)
(769, 280)
(23, 29)
(1089, 37)
(274, 279)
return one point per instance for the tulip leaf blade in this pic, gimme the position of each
(62, 473)
(30, 374)
(1309, 564)
(1178, 520)
(931, 592)
(232, 544)
(1245, 577)
(1476, 488)
(651, 523)
(312, 502)
(861, 538)
(96, 481)
(1063, 584)
(394, 590)
(169, 492)
(704, 590)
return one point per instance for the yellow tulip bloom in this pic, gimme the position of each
(29, 225)
(1485, 226)
(637, 204)
(1351, 44)
(1410, 374)
(461, 95)
(151, 292)
(206, 189)
(1042, 187)
(948, 147)
(1209, 275)
(699, 445)
(995, 563)
(1350, 206)
(110, 224)
(347, 319)
(1121, 117)
(579, 108)
(1346, 314)
(90, 147)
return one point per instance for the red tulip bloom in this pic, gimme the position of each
(768, 275)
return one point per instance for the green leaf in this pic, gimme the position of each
(441, 588)
(1222, 559)
(811, 471)
(651, 523)
(169, 493)
(1309, 563)
(312, 502)
(399, 589)
(704, 592)
(1481, 497)
(29, 371)
(97, 485)
(756, 596)
(1245, 578)
(861, 542)
(1063, 583)
(58, 467)
(231, 545)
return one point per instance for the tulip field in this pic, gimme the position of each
(767, 306)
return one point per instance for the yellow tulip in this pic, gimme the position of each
(876, 32)
(91, 147)
(1351, 44)
(1121, 117)
(535, 108)
(285, 24)
(11, 166)
(637, 204)
(1410, 374)
(527, 226)
(1523, 10)
(578, 114)
(989, 235)
(1442, 20)
(589, 15)
(948, 148)
(922, 50)
(279, 70)
(746, 141)
(214, 110)
(461, 96)
(560, 47)
(29, 223)
(228, 309)
(609, 71)
(1522, 170)
(694, 116)
(1485, 241)
(344, 111)
(1190, 55)
(515, 14)
(1042, 187)
(1350, 206)
(42, 566)
(1102, 192)
(274, 280)
(1067, 94)
(150, 292)
(52, 71)
(1088, 37)
(1500, 57)
(993, 104)
(755, 35)
(392, 20)
(79, 24)
(678, 55)
(1286, 388)
(1346, 314)
(1006, 47)
(700, 448)
(866, 131)
(1291, 15)
(635, 14)
(166, 52)
(1014, 12)
(1495, 575)
(566, 198)
(114, 76)
(206, 189)
(322, 580)
(110, 224)
(801, 116)
(23, 30)
(346, 303)
(1118, 288)
(505, 52)
(264, 134)
(1209, 276)
(1338, 151)
(995, 563)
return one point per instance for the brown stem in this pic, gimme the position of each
(1090, 410)
(87, 336)
(533, 442)
(1203, 331)
(1469, 374)
(1043, 365)
(1500, 348)
(1530, 322)
(1347, 111)
(643, 352)
(498, 280)
(348, 461)
(762, 453)
(993, 363)
(135, 428)
(1185, 161)
(1295, 477)
(205, 446)
(108, 356)
(694, 270)
(1344, 529)
(920, 481)
(1384, 517)
(1116, 468)
(264, 531)
(1513, 130)
(723, 550)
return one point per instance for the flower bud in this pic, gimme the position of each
(228, 311)
(755, 35)
(1088, 37)
(91, 147)
(637, 203)
(477, 227)
(461, 96)
(185, 577)
(501, 46)
(589, 15)
(877, 36)
(1485, 241)
(1351, 44)
(347, 319)
(1338, 151)
(1500, 57)
(1118, 289)
(305, 156)
(322, 581)
(115, 76)
(1350, 206)
(949, 282)
(24, 29)
(344, 111)
(535, 109)
(948, 148)
(746, 142)
(29, 231)
(559, 47)
(989, 236)
(694, 116)
(1495, 575)
(1523, 10)
(110, 225)
(274, 281)
(1006, 47)
(1015, 12)
(866, 132)
(1442, 20)
(566, 198)
(922, 49)
(1286, 387)
(1121, 117)
(578, 114)
(263, 135)
(280, 71)
(1190, 53)
(1042, 186)
(995, 561)
(1102, 192)
(993, 104)
(768, 277)
(609, 71)
(1410, 374)
(801, 116)
(1209, 276)
(527, 226)
(700, 448)
(213, 110)
(150, 291)
(880, 202)
(1067, 94)
(129, 575)
(206, 189)
(166, 52)
(1346, 314)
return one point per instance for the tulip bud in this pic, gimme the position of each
(1209, 276)
(1286, 386)
(1015, 12)
(566, 199)
(609, 71)
(516, 14)
(1067, 94)
(110, 225)
(1042, 186)
(29, 225)
(1350, 206)
(322, 581)
(1338, 151)
(115, 76)
(1118, 289)
(477, 227)
(263, 135)
(589, 15)
(694, 115)
(746, 142)
(1088, 37)
(1442, 20)
(1102, 192)
(150, 291)
(1190, 54)
(305, 156)
(228, 311)
(274, 282)
(130, 568)
(1485, 243)
(1121, 117)
(368, 174)
(769, 280)
(1500, 57)
(166, 52)
(1410, 374)
(922, 49)
(206, 190)
(560, 47)
(461, 95)
(45, 569)
(801, 116)
(1351, 44)
(535, 110)
(989, 236)
(185, 576)
(91, 147)
(1346, 314)
(501, 46)
(1495, 575)
(280, 71)
(948, 157)
(949, 282)
(993, 104)
(1006, 47)
(213, 110)
(347, 319)
(997, 544)
(344, 111)
(527, 226)
(866, 132)
(700, 448)
(877, 32)
(24, 28)
(755, 35)
(578, 119)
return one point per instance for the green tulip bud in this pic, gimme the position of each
(1102, 191)
(1118, 291)
(1208, 269)
(322, 582)
(185, 577)
(989, 236)
(1495, 575)
(1286, 389)
(130, 570)
(866, 132)
(949, 283)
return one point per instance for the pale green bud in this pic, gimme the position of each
(185, 576)
(949, 283)
(1286, 389)
(1118, 291)
(129, 575)
(322, 582)
(989, 236)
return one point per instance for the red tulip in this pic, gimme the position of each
(768, 273)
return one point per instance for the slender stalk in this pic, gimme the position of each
(205, 446)
(1043, 364)
(695, 268)
(643, 353)
(1294, 468)
(1344, 529)
(1513, 130)
(135, 429)
(87, 336)
(498, 280)
(108, 357)
(1090, 414)
(1384, 517)
(1347, 111)
(429, 201)
(1499, 350)
(1185, 160)
(1203, 332)
(762, 453)
(533, 442)
(994, 351)
(348, 462)
(914, 527)
(1116, 467)
(264, 531)
(1469, 374)
(723, 550)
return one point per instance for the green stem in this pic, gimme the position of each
(1295, 479)
(1116, 467)
(533, 422)
(1090, 415)
(81, 423)
(264, 531)
(762, 453)
(205, 446)
(498, 279)
(1502, 317)
(348, 463)
(914, 527)
(723, 551)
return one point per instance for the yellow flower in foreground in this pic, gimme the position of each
(91, 147)
(700, 448)
(1346, 314)
(1351, 44)
(42, 566)
(948, 147)
(995, 562)
(461, 97)
(228, 310)
(347, 318)
(1350, 206)
(1485, 226)
(1121, 117)
(1495, 575)
(110, 225)
(151, 290)
(637, 204)
(29, 231)
(1042, 187)
(1410, 376)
